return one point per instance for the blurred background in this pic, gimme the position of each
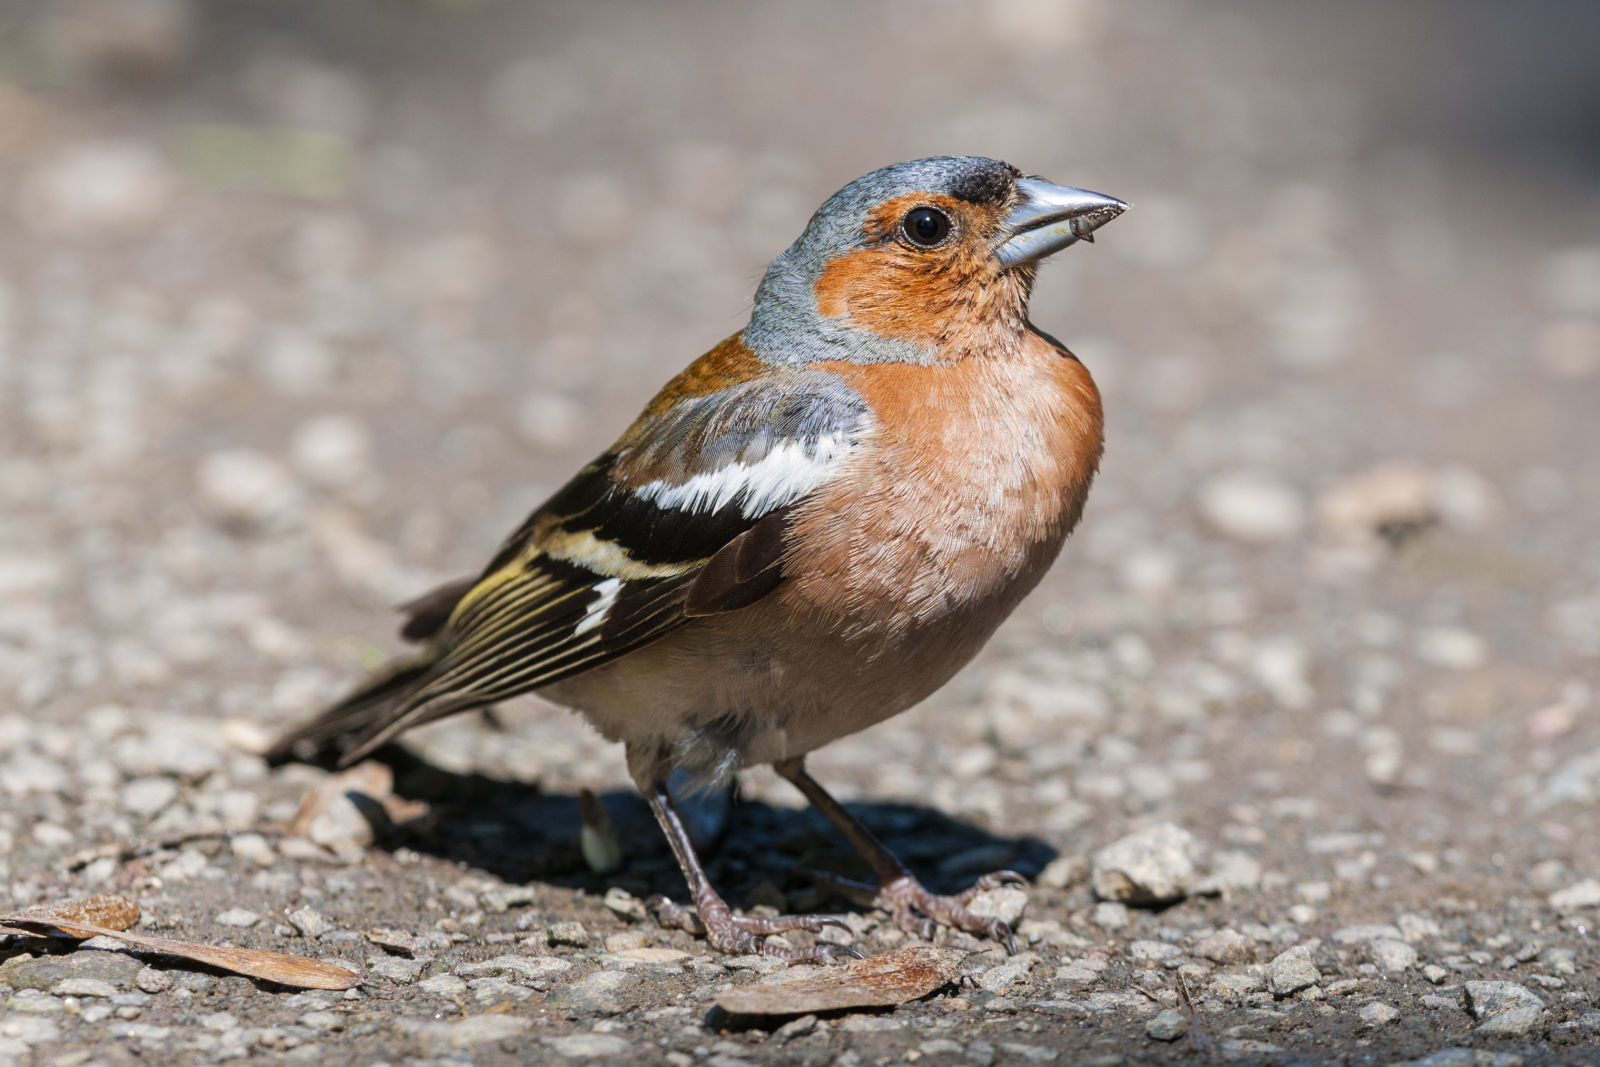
(304, 305)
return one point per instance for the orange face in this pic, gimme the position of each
(927, 275)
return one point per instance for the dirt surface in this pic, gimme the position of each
(304, 305)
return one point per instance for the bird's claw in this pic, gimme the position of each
(996, 879)
(919, 912)
(745, 935)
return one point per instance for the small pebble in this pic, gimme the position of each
(147, 796)
(1063, 871)
(488, 1028)
(1226, 946)
(1252, 508)
(1451, 646)
(254, 849)
(590, 1046)
(1392, 955)
(1488, 999)
(1514, 1022)
(309, 921)
(567, 933)
(240, 917)
(334, 451)
(389, 938)
(1167, 1025)
(84, 987)
(1006, 903)
(1292, 971)
(395, 968)
(116, 189)
(443, 985)
(1153, 951)
(1155, 865)
(501, 899)
(601, 993)
(625, 905)
(151, 980)
(1394, 495)
(1352, 935)
(1584, 894)
(246, 488)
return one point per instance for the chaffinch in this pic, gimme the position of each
(807, 531)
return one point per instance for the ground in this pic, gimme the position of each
(303, 306)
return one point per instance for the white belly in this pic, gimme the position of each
(775, 680)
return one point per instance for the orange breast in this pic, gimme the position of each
(980, 469)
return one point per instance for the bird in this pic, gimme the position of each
(807, 531)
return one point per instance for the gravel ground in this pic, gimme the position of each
(303, 305)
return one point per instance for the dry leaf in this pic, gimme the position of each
(371, 778)
(879, 981)
(110, 916)
(112, 912)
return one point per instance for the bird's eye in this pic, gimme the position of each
(926, 226)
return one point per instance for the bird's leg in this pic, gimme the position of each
(914, 908)
(734, 934)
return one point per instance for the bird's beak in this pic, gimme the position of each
(1048, 218)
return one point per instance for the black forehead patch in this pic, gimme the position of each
(985, 185)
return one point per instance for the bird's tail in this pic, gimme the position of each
(385, 704)
(360, 722)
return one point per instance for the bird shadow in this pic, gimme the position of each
(519, 833)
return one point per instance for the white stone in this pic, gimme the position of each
(101, 188)
(1584, 894)
(146, 796)
(1488, 999)
(1291, 971)
(1152, 866)
(332, 450)
(1392, 955)
(1451, 646)
(1006, 903)
(1396, 493)
(241, 917)
(1253, 508)
(589, 1046)
(245, 487)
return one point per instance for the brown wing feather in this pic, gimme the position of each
(745, 570)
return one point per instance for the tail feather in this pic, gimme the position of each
(384, 705)
(347, 726)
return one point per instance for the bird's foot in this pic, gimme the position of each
(742, 935)
(918, 911)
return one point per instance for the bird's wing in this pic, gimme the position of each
(685, 516)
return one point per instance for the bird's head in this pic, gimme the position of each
(926, 261)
